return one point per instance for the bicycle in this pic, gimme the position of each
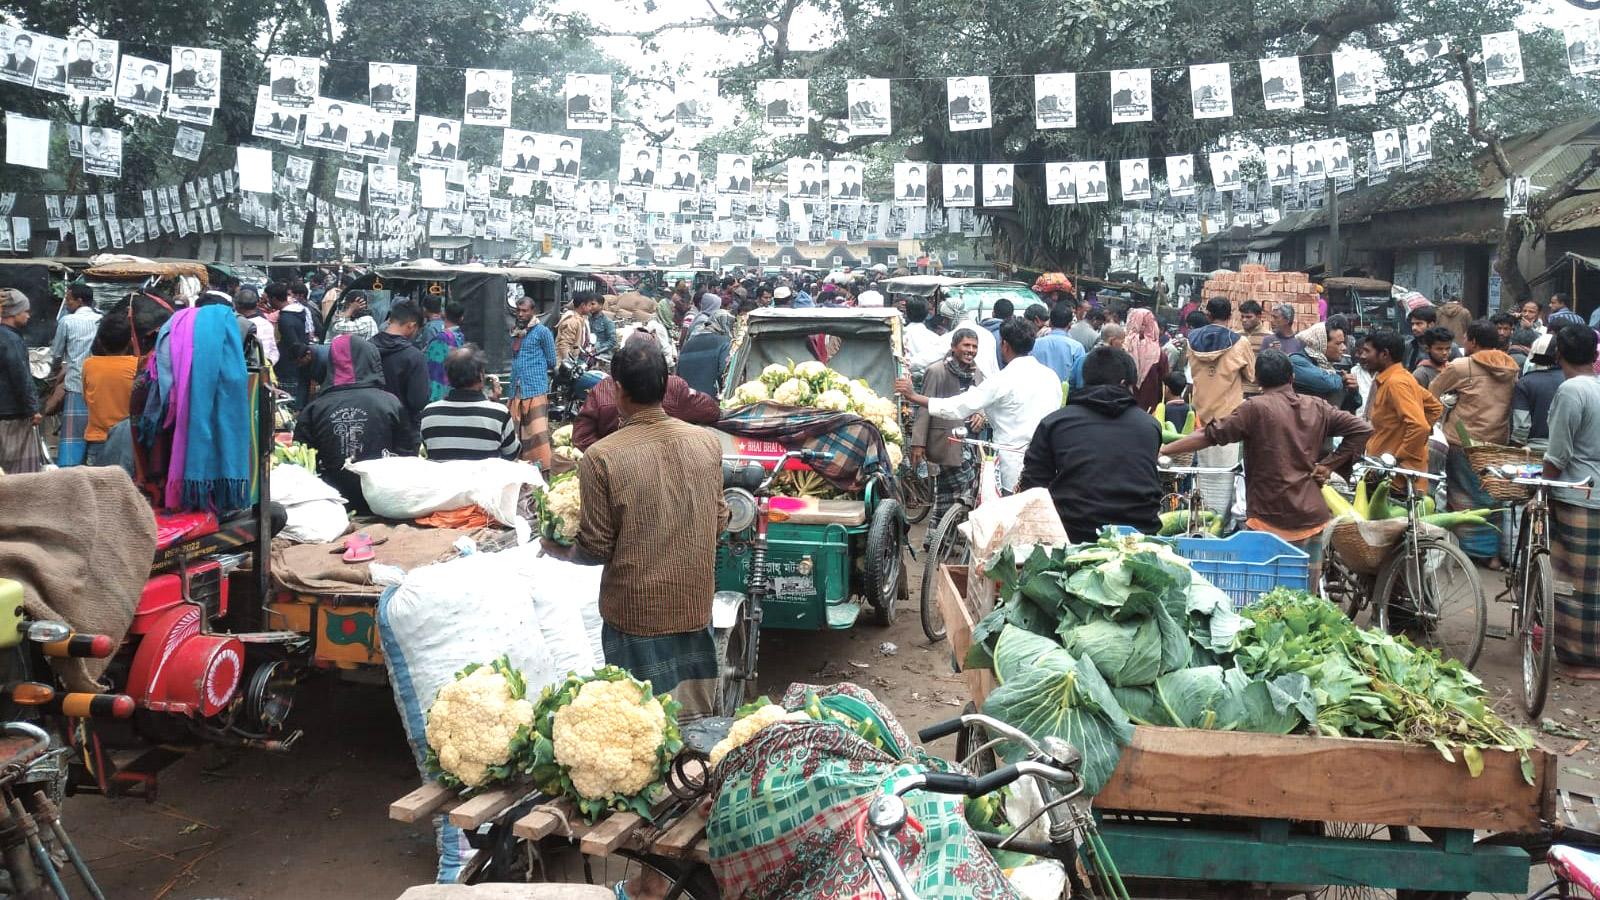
(1530, 581)
(1425, 583)
(1179, 499)
(946, 544)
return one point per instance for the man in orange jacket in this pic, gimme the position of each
(1402, 411)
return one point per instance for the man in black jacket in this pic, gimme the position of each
(1100, 422)
(354, 418)
(405, 369)
(294, 342)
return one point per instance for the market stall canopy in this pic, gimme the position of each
(433, 270)
(122, 267)
(33, 277)
(864, 343)
(1564, 265)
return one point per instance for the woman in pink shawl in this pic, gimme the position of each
(1143, 343)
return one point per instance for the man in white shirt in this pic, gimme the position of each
(1013, 400)
(75, 334)
(924, 346)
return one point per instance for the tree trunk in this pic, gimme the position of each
(1513, 285)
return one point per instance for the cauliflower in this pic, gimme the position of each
(746, 727)
(810, 370)
(774, 375)
(561, 437)
(880, 409)
(860, 394)
(835, 400)
(894, 456)
(558, 507)
(890, 429)
(793, 392)
(567, 452)
(751, 392)
(476, 722)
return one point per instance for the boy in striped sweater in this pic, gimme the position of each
(466, 424)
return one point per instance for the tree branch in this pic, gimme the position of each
(1564, 188)
(1475, 123)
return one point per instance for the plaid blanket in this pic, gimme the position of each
(785, 805)
(1576, 554)
(856, 444)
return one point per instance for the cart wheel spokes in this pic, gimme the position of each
(946, 546)
(731, 646)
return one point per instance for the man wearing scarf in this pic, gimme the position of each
(355, 418)
(707, 307)
(19, 402)
(1143, 343)
(704, 359)
(1314, 372)
(930, 442)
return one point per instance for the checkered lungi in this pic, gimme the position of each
(1576, 554)
(74, 422)
(19, 447)
(533, 427)
(683, 665)
(951, 484)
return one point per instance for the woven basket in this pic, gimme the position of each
(1363, 546)
(1482, 456)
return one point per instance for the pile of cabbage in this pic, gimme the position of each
(812, 384)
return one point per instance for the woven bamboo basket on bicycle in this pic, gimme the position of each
(1482, 456)
(1364, 546)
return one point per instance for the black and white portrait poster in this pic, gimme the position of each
(1354, 77)
(805, 179)
(1308, 161)
(371, 131)
(272, 121)
(1336, 159)
(50, 72)
(911, 184)
(1386, 148)
(1092, 186)
(92, 69)
(1060, 183)
(348, 185)
(694, 106)
(1279, 159)
(637, 166)
(559, 155)
(383, 185)
(588, 102)
(1281, 87)
(1055, 100)
(680, 170)
(785, 105)
(844, 179)
(197, 76)
(295, 81)
(480, 184)
(1583, 46)
(438, 140)
(326, 126)
(1516, 196)
(297, 172)
(21, 60)
(968, 104)
(1376, 174)
(1420, 52)
(1211, 90)
(868, 100)
(188, 143)
(1502, 58)
(519, 153)
(1180, 175)
(1225, 170)
(178, 111)
(102, 151)
(141, 85)
(959, 185)
(392, 90)
(1419, 142)
(733, 173)
(1130, 96)
(1135, 176)
(999, 189)
(488, 98)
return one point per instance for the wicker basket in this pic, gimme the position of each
(1482, 456)
(1363, 546)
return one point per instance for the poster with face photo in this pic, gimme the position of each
(1130, 95)
(844, 180)
(273, 122)
(1280, 83)
(326, 126)
(998, 187)
(92, 68)
(680, 170)
(1386, 148)
(348, 185)
(392, 90)
(1060, 183)
(371, 132)
(488, 97)
(1354, 77)
(197, 76)
(1279, 159)
(1336, 158)
(294, 81)
(1092, 187)
(694, 105)
(1419, 142)
(1135, 176)
(437, 139)
(1516, 196)
(519, 153)
(141, 85)
(968, 102)
(1180, 176)
(805, 179)
(480, 184)
(1420, 52)
(1211, 90)
(102, 151)
(1583, 46)
(21, 60)
(959, 185)
(911, 184)
(1502, 58)
(297, 172)
(188, 143)
(50, 72)
(1055, 100)
(868, 100)
(1225, 170)
(588, 102)
(559, 156)
(1308, 161)
(785, 105)
(733, 173)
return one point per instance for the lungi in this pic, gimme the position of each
(19, 447)
(533, 427)
(1464, 490)
(1576, 554)
(74, 422)
(683, 665)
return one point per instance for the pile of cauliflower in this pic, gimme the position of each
(745, 728)
(558, 506)
(561, 444)
(478, 724)
(815, 385)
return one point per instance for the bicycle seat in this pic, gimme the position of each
(703, 734)
(1580, 867)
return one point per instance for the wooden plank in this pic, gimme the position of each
(546, 819)
(959, 620)
(485, 806)
(1177, 770)
(422, 802)
(679, 840)
(610, 833)
(702, 851)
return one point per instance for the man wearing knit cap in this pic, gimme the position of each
(19, 402)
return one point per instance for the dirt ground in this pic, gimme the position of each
(313, 823)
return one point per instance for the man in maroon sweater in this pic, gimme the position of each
(599, 417)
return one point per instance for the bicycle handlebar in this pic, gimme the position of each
(951, 726)
(1507, 473)
(1377, 465)
(1164, 466)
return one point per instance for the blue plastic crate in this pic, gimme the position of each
(1247, 564)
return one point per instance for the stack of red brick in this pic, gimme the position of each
(1254, 282)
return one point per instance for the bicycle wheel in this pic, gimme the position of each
(916, 496)
(1536, 632)
(1440, 605)
(556, 861)
(945, 547)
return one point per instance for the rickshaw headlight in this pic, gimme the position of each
(741, 508)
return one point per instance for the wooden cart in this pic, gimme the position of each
(1208, 807)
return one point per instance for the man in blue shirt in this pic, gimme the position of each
(1057, 350)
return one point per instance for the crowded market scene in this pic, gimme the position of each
(516, 451)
